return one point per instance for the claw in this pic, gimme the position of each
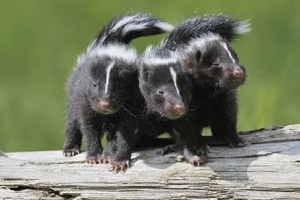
(104, 159)
(111, 168)
(93, 159)
(128, 163)
(119, 166)
(196, 161)
(71, 152)
(236, 145)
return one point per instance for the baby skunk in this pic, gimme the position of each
(101, 85)
(167, 93)
(213, 67)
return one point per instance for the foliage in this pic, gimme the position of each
(40, 40)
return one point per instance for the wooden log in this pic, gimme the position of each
(267, 169)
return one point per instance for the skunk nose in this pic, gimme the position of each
(238, 73)
(104, 104)
(179, 108)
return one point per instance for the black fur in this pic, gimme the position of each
(95, 107)
(111, 34)
(195, 27)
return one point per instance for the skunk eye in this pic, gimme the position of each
(94, 84)
(216, 64)
(160, 92)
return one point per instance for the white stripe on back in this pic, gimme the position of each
(159, 61)
(226, 48)
(115, 51)
(174, 78)
(108, 70)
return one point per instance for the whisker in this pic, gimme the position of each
(128, 111)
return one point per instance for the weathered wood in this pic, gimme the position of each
(267, 169)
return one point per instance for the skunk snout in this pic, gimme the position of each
(238, 73)
(233, 77)
(104, 104)
(179, 108)
(176, 111)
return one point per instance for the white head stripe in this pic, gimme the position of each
(174, 78)
(108, 69)
(226, 48)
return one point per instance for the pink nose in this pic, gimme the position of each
(180, 108)
(104, 104)
(238, 73)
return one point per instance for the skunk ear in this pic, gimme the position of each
(198, 56)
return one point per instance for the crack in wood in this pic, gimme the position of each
(46, 191)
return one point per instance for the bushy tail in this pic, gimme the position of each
(126, 28)
(222, 25)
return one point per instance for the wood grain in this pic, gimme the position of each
(267, 169)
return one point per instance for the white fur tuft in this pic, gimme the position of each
(200, 43)
(115, 51)
(131, 27)
(122, 22)
(164, 26)
(243, 27)
(134, 23)
(142, 22)
(151, 58)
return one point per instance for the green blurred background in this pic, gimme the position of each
(39, 42)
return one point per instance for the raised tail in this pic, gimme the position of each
(128, 27)
(226, 27)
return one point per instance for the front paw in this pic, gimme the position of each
(196, 157)
(119, 165)
(105, 158)
(172, 148)
(237, 142)
(93, 159)
(68, 152)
